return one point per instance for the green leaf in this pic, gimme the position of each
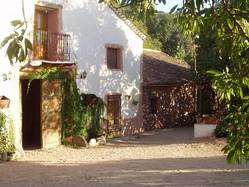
(28, 44)
(173, 9)
(213, 72)
(6, 40)
(17, 23)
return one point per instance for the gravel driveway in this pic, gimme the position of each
(159, 158)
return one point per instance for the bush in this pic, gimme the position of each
(81, 113)
(6, 136)
(221, 130)
(3, 133)
(96, 110)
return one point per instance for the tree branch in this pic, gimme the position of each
(24, 17)
(235, 21)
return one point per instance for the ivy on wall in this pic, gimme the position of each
(79, 116)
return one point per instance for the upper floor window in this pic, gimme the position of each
(41, 20)
(114, 56)
(48, 41)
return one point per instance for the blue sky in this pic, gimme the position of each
(169, 5)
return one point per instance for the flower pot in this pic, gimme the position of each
(210, 119)
(4, 102)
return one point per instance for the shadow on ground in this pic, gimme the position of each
(183, 135)
(157, 172)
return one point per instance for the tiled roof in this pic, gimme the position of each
(160, 68)
(127, 22)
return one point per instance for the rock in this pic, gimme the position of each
(101, 140)
(76, 140)
(69, 140)
(93, 142)
(79, 141)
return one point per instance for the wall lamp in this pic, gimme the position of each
(82, 75)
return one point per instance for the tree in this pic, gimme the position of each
(163, 33)
(228, 20)
(165, 27)
(18, 43)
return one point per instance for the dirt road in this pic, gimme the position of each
(159, 158)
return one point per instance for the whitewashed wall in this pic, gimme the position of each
(92, 25)
(12, 10)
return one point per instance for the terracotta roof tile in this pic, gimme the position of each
(160, 68)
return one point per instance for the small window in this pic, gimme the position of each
(114, 57)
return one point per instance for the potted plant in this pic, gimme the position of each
(210, 119)
(4, 102)
(7, 147)
(3, 137)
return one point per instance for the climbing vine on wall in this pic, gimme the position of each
(79, 116)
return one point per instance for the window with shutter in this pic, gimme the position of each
(114, 56)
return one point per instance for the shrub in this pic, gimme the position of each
(221, 130)
(95, 107)
(3, 133)
(81, 113)
(6, 135)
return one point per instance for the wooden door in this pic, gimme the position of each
(114, 111)
(40, 34)
(51, 113)
(41, 20)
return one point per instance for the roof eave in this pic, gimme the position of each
(127, 22)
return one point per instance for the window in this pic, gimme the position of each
(114, 109)
(114, 56)
(41, 20)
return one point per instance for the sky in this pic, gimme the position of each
(170, 4)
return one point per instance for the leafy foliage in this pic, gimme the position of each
(238, 133)
(6, 135)
(221, 130)
(78, 118)
(18, 43)
(228, 22)
(207, 56)
(165, 27)
(163, 33)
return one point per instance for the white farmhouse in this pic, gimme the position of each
(109, 54)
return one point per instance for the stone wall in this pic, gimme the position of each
(168, 106)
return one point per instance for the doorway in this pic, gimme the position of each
(31, 114)
(114, 112)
